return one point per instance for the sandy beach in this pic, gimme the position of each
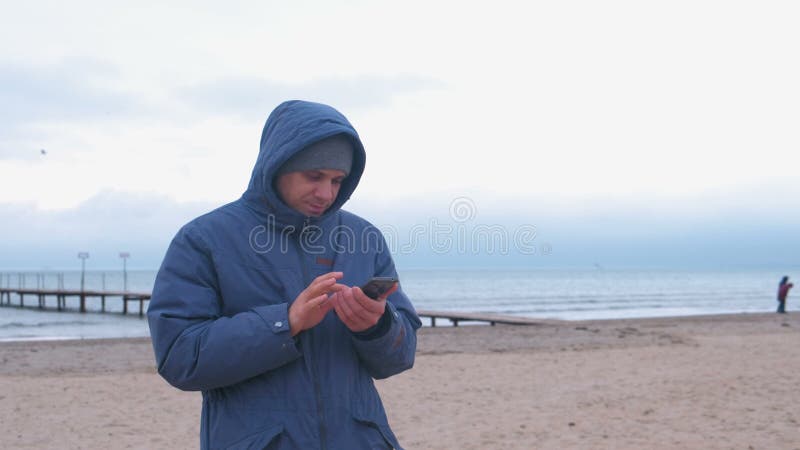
(707, 382)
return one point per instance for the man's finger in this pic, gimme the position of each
(357, 309)
(325, 276)
(343, 315)
(350, 317)
(321, 286)
(373, 306)
(391, 291)
(338, 287)
(317, 301)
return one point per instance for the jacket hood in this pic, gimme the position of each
(290, 128)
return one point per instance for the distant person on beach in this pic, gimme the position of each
(257, 303)
(783, 292)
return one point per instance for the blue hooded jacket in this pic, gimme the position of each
(219, 311)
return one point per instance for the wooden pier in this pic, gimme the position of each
(455, 317)
(61, 295)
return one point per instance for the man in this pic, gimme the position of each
(783, 292)
(256, 303)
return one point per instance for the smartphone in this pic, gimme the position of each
(378, 286)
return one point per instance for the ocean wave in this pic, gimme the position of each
(43, 324)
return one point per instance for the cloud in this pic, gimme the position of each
(444, 232)
(622, 241)
(107, 223)
(67, 92)
(67, 101)
(747, 228)
(253, 96)
(420, 236)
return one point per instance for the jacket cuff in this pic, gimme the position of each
(283, 344)
(381, 328)
(377, 330)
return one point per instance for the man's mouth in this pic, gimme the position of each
(316, 209)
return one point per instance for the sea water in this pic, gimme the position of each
(544, 293)
(31, 323)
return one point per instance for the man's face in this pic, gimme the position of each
(310, 192)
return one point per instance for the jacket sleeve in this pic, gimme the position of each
(197, 348)
(389, 348)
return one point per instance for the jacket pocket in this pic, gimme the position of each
(388, 437)
(258, 441)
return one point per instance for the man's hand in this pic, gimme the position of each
(310, 307)
(357, 311)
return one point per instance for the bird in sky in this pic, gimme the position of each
(43, 151)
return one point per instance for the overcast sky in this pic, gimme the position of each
(623, 122)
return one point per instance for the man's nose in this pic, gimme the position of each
(325, 191)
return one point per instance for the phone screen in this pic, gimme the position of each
(378, 286)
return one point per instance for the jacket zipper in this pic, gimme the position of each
(309, 337)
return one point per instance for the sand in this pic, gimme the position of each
(703, 382)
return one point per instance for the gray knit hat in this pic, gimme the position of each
(335, 152)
